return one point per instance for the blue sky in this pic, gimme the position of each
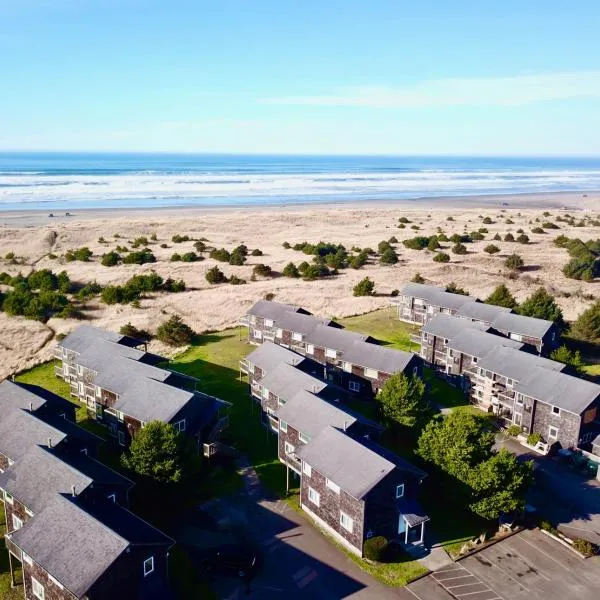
(301, 76)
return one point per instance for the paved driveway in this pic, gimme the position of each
(526, 566)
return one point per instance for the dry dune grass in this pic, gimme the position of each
(214, 307)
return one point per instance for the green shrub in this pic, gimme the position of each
(433, 243)
(178, 239)
(416, 243)
(497, 237)
(140, 241)
(487, 221)
(537, 230)
(131, 331)
(513, 430)
(418, 278)
(534, 439)
(286, 245)
(290, 270)
(110, 259)
(175, 257)
(477, 236)
(584, 546)
(257, 252)
(200, 246)
(175, 332)
(550, 225)
(403, 220)
(189, 257)
(491, 249)
(215, 275)
(220, 254)
(235, 280)
(523, 239)
(509, 237)
(441, 257)
(454, 289)
(82, 254)
(389, 257)
(140, 258)
(365, 287)
(376, 548)
(514, 262)
(394, 293)
(262, 270)
(459, 249)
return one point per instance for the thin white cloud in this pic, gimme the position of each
(487, 91)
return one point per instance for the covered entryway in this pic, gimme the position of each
(411, 522)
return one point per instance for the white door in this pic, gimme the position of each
(401, 524)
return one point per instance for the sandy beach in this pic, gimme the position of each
(32, 236)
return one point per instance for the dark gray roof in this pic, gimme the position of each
(522, 325)
(20, 430)
(346, 462)
(434, 295)
(309, 414)
(286, 381)
(559, 389)
(14, 397)
(38, 476)
(475, 342)
(86, 335)
(300, 323)
(480, 311)
(412, 511)
(380, 358)
(268, 309)
(71, 545)
(515, 364)
(268, 355)
(447, 326)
(102, 355)
(334, 338)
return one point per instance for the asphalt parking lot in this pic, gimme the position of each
(526, 566)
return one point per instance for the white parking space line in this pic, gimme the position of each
(496, 594)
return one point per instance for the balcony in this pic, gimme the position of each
(415, 338)
(244, 366)
(58, 371)
(245, 321)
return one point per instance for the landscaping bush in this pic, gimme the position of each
(534, 438)
(389, 257)
(134, 332)
(584, 546)
(513, 430)
(220, 254)
(365, 287)
(175, 332)
(140, 258)
(514, 262)
(459, 249)
(491, 249)
(290, 270)
(262, 270)
(441, 257)
(375, 548)
(215, 275)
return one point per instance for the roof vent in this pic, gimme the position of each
(31, 407)
(73, 491)
(49, 442)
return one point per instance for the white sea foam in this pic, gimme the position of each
(38, 188)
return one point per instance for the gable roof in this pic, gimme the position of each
(267, 309)
(515, 364)
(380, 358)
(20, 430)
(334, 338)
(481, 311)
(268, 355)
(309, 414)
(300, 323)
(348, 463)
(286, 381)
(86, 335)
(520, 324)
(15, 397)
(475, 342)
(38, 476)
(90, 549)
(559, 389)
(436, 296)
(447, 326)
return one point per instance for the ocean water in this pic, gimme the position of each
(68, 181)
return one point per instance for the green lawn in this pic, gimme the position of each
(592, 370)
(6, 592)
(441, 392)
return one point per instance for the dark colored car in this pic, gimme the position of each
(238, 560)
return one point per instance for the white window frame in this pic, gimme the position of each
(334, 487)
(17, 522)
(151, 560)
(306, 469)
(283, 426)
(556, 410)
(288, 448)
(37, 589)
(518, 418)
(310, 349)
(314, 496)
(8, 498)
(279, 333)
(347, 367)
(297, 337)
(474, 360)
(330, 353)
(371, 373)
(268, 322)
(400, 491)
(178, 425)
(354, 386)
(550, 436)
(346, 521)
(519, 399)
(257, 334)
(303, 437)
(265, 393)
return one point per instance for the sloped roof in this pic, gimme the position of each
(515, 364)
(272, 310)
(481, 311)
(520, 324)
(300, 323)
(20, 430)
(310, 414)
(86, 335)
(14, 397)
(412, 511)
(559, 389)
(38, 476)
(447, 326)
(380, 358)
(435, 295)
(475, 342)
(268, 355)
(334, 338)
(346, 462)
(286, 381)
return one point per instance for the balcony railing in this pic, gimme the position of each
(244, 366)
(58, 371)
(245, 321)
(415, 338)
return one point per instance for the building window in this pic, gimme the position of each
(148, 566)
(121, 437)
(400, 490)
(8, 498)
(268, 323)
(314, 496)
(555, 410)
(17, 522)
(552, 432)
(257, 334)
(180, 425)
(283, 426)
(289, 449)
(306, 469)
(517, 418)
(474, 360)
(330, 353)
(332, 486)
(303, 438)
(37, 588)
(347, 367)
(265, 393)
(354, 386)
(346, 522)
(519, 398)
(279, 333)
(516, 337)
(297, 337)
(509, 382)
(310, 349)
(371, 373)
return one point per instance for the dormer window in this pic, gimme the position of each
(400, 490)
(148, 566)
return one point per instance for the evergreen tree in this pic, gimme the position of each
(501, 296)
(587, 325)
(402, 401)
(542, 305)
